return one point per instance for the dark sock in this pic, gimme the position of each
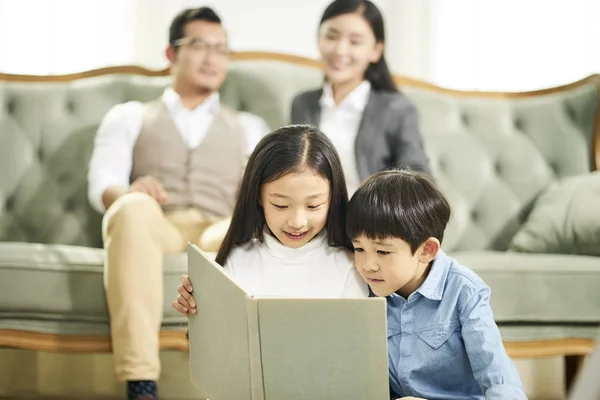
(140, 388)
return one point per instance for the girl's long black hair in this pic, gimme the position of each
(286, 150)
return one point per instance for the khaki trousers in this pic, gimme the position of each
(136, 234)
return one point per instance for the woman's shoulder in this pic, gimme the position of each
(395, 100)
(308, 96)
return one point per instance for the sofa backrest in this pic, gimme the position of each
(492, 153)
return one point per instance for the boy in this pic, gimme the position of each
(443, 342)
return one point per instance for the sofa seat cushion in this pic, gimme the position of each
(59, 289)
(543, 289)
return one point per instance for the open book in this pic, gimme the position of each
(244, 347)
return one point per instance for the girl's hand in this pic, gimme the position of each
(185, 303)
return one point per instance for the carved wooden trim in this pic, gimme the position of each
(288, 58)
(122, 69)
(169, 340)
(550, 348)
(176, 340)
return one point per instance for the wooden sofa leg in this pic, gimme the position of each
(572, 365)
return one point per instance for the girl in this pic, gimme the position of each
(371, 124)
(287, 235)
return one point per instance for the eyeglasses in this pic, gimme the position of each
(199, 45)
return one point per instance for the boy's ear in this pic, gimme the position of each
(430, 249)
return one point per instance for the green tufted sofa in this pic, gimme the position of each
(492, 153)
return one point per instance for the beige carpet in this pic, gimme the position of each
(36, 375)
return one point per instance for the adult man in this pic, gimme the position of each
(166, 172)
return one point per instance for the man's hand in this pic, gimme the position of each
(151, 186)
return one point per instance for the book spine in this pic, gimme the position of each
(254, 351)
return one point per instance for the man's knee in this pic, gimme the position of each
(129, 209)
(211, 238)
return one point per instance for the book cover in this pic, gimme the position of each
(243, 346)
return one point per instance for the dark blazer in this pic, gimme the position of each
(388, 136)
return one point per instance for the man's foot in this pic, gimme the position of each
(141, 390)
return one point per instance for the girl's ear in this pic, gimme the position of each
(377, 53)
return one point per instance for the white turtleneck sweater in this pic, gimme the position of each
(316, 270)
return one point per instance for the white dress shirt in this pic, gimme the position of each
(316, 270)
(112, 158)
(341, 123)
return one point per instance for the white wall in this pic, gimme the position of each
(514, 45)
(62, 36)
(507, 45)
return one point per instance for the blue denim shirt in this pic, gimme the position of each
(443, 342)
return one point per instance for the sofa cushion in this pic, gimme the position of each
(59, 289)
(493, 156)
(539, 288)
(565, 219)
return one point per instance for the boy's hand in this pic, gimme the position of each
(185, 303)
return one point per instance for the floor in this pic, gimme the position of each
(50, 376)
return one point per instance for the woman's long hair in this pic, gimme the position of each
(378, 74)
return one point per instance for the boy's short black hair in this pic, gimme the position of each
(177, 29)
(401, 204)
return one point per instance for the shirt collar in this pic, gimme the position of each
(173, 102)
(433, 287)
(355, 101)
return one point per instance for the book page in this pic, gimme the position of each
(324, 348)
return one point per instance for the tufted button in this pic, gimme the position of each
(10, 107)
(70, 204)
(464, 118)
(518, 123)
(9, 205)
(474, 215)
(70, 106)
(554, 167)
(570, 111)
(498, 167)
(62, 179)
(442, 164)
